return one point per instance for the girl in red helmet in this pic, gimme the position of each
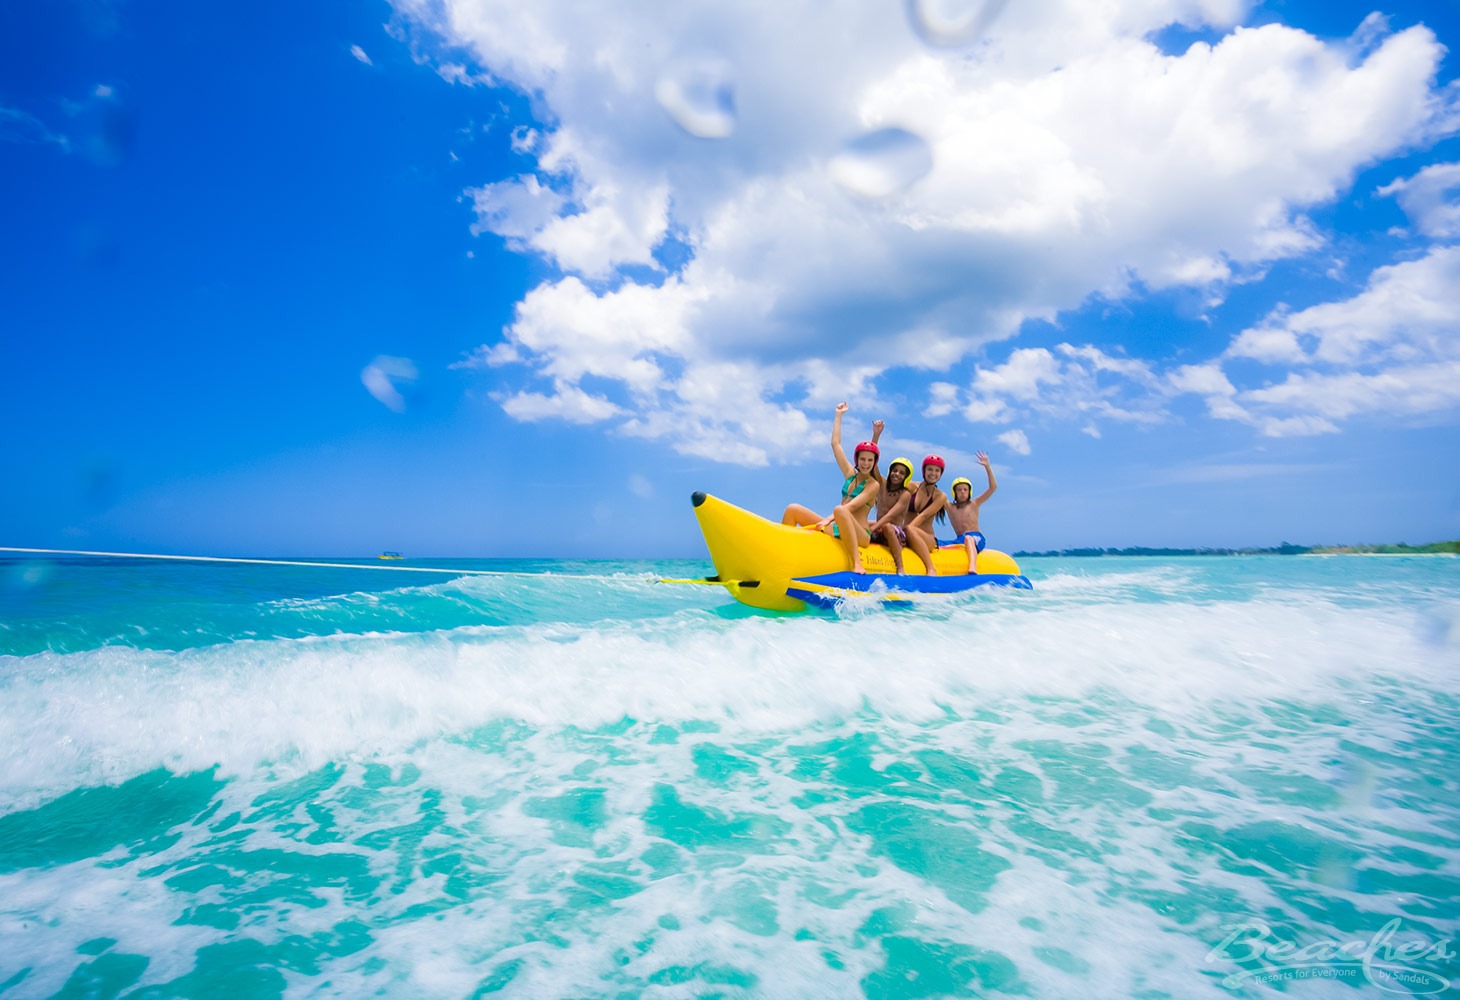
(928, 502)
(848, 521)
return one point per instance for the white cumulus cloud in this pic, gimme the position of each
(1070, 383)
(1028, 169)
(1016, 441)
(566, 402)
(1431, 198)
(1408, 312)
(1391, 350)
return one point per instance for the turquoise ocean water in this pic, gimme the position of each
(1202, 777)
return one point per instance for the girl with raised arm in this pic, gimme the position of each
(848, 521)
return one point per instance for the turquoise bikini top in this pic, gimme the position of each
(848, 493)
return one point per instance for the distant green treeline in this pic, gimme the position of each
(1285, 549)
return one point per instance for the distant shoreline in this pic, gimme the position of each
(1285, 549)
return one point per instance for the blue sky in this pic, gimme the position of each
(474, 279)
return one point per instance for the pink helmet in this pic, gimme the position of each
(935, 460)
(866, 446)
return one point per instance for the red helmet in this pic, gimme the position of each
(934, 460)
(866, 446)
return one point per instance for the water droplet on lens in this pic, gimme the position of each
(879, 163)
(23, 576)
(104, 129)
(952, 24)
(699, 95)
(386, 377)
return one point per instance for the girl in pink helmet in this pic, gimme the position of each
(928, 502)
(848, 520)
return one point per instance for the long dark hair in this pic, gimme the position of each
(942, 514)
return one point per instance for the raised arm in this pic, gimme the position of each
(877, 426)
(836, 441)
(983, 459)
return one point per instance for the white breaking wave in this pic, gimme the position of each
(107, 714)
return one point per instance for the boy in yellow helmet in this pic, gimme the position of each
(963, 512)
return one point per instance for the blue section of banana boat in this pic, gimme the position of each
(826, 589)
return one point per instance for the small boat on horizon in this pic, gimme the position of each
(391, 555)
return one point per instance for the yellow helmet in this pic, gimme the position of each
(953, 490)
(906, 463)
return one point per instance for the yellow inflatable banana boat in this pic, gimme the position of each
(780, 568)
